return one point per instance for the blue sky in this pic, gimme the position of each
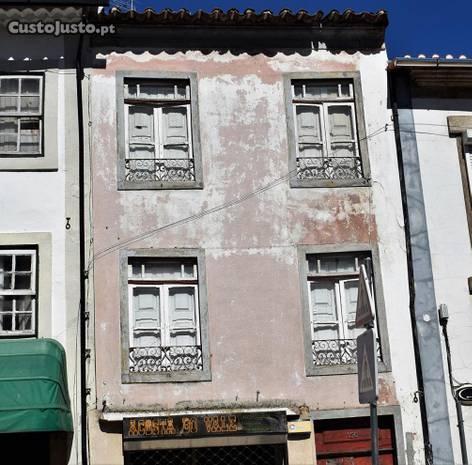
(416, 26)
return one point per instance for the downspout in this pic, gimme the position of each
(79, 73)
(411, 282)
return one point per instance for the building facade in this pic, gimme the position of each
(39, 236)
(432, 105)
(243, 167)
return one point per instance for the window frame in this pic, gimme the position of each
(201, 315)
(33, 292)
(122, 130)
(358, 125)
(303, 251)
(19, 116)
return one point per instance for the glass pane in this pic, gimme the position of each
(24, 303)
(6, 321)
(8, 104)
(345, 90)
(162, 270)
(29, 104)
(131, 90)
(297, 91)
(30, 86)
(136, 270)
(9, 86)
(189, 271)
(29, 136)
(182, 91)
(312, 264)
(23, 263)
(157, 91)
(6, 262)
(22, 280)
(6, 303)
(23, 321)
(340, 123)
(321, 90)
(8, 126)
(337, 264)
(5, 280)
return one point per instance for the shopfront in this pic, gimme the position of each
(212, 439)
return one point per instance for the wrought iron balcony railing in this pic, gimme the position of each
(159, 169)
(329, 352)
(329, 168)
(165, 359)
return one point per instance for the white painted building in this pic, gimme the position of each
(432, 101)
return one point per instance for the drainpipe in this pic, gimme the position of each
(79, 72)
(411, 280)
(443, 319)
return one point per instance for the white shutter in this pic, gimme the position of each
(340, 123)
(141, 131)
(309, 130)
(175, 132)
(182, 316)
(349, 291)
(324, 312)
(146, 319)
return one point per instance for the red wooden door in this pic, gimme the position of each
(348, 442)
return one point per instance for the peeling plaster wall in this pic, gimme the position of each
(254, 305)
(449, 237)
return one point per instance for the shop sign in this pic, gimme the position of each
(184, 426)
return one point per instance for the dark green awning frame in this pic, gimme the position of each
(33, 386)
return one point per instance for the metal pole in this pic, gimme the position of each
(374, 430)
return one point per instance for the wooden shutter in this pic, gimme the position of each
(309, 130)
(141, 131)
(325, 318)
(146, 318)
(349, 304)
(341, 130)
(175, 132)
(182, 316)
(468, 164)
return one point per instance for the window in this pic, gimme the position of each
(166, 317)
(17, 292)
(332, 284)
(160, 148)
(326, 130)
(20, 115)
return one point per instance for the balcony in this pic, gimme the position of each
(329, 168)
(165, 359)
(159, 169)
(332, 352)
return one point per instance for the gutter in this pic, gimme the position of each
(429, 63)
(79, 72)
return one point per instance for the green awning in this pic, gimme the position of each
(33, 386)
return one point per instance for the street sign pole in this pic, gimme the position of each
(367, 356)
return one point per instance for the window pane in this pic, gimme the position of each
(340, 123)
(8, 104)
(345, 90)
(23, 321)
(321, 90)
(5, 280)
(30, 86)
(162, 270)
(157, 91)
(29, 136)
(297, 91)
(136, 270)
(6, 321)
(337, 264)
(23, 263)
(8, 134)
(6, 262)
(183, 91)
(9, 86)
(6, 303)
(29, 104)
(189, 271)
(22, 280)
(24, 303)
(131, 90)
